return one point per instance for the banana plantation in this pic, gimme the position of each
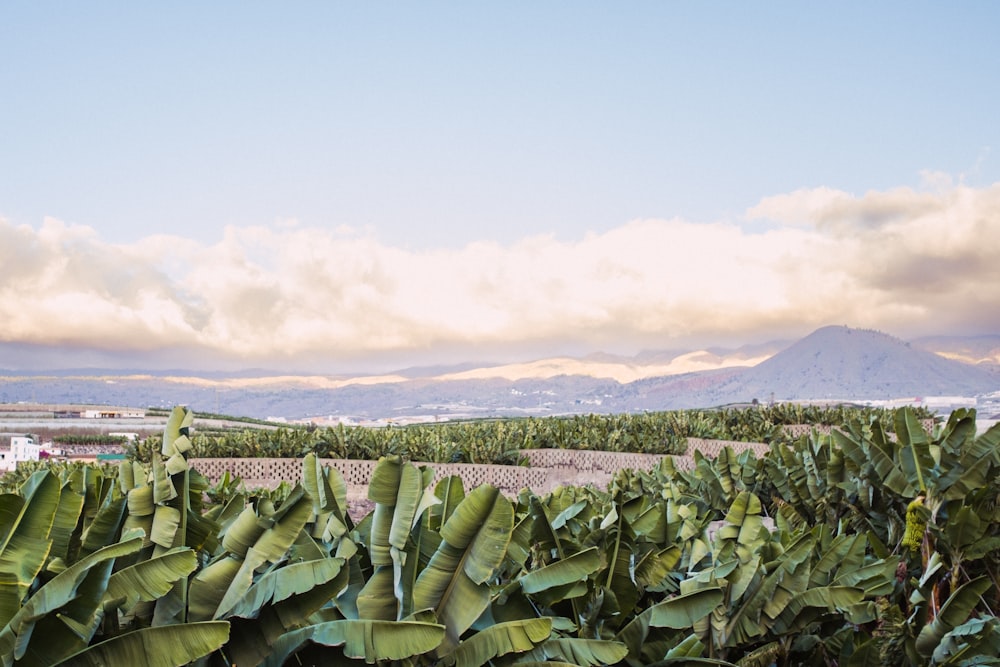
(878, 544)
(498, 441)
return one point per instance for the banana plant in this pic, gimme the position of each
(399, 492)
(455, 582)
(60, 619)
(774, 591)
(25, 541)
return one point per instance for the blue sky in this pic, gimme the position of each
(176, 167)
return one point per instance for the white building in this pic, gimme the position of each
(22, 448)
(113, 413)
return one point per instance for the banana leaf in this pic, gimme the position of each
(450, 491)
(65, 588)
(25, 547)
(147, 580)
(955, 611)
(272, 546)
(296, 603)
(165, 646)
(973, 642)
(685, 610)
(575, 568)
(284, 582)
(474, 542)
(175, 431)
(914, 449)
(371, 641)
(243, 532)
(377, 599)
(653, 570)
(809, 604)
(65, 524)
(582, 652)
(864, 453)
(397, 489)
(677, 613)
(499, 640)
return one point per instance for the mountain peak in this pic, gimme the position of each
(837, 331)
(842, 362)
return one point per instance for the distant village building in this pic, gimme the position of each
(112, 413)
(22, 448)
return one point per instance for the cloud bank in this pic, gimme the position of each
(907, 261)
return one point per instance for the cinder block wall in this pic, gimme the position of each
(549, 468)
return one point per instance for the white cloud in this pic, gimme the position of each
(902, 260)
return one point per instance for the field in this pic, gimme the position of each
(871, 543)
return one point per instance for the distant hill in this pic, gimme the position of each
(837, 363)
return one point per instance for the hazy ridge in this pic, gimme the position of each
(832, 363)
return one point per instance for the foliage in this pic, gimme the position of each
(793, 558)
(88, 439)
(499, 441)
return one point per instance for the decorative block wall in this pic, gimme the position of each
(549, 468)
(711, 448)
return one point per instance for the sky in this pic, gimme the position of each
(334, 187)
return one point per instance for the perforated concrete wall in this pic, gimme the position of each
(799, 430)
(588, 460)
(564, 467)
(558, 458)
(267, 472)
(711, 448)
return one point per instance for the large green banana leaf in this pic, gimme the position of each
(66, 522)
(371, 641)
(583, 652)
(875, 454)
(147, 580)
(691, 661)
(169, 526)
(811, 603)
(163, 646)
(377, 600)
(26, 525)
(844, 553)
(450, 491)
(282, 602)
(917, 456)
(282, 583)
(209, 586)
(653, 569)
(176, 432)
(317, 485)
(968, 462)
(473, 544)
(677, 613)
(973, 642)
(569, 570)
(743, 525)
(499, 640)
(106, 524)
(271, 546)
(326, 487)
(398, 490)
(683, 611)
(953, 612)
(73, 593)
(243, 532)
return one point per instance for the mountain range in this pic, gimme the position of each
(834, 363)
